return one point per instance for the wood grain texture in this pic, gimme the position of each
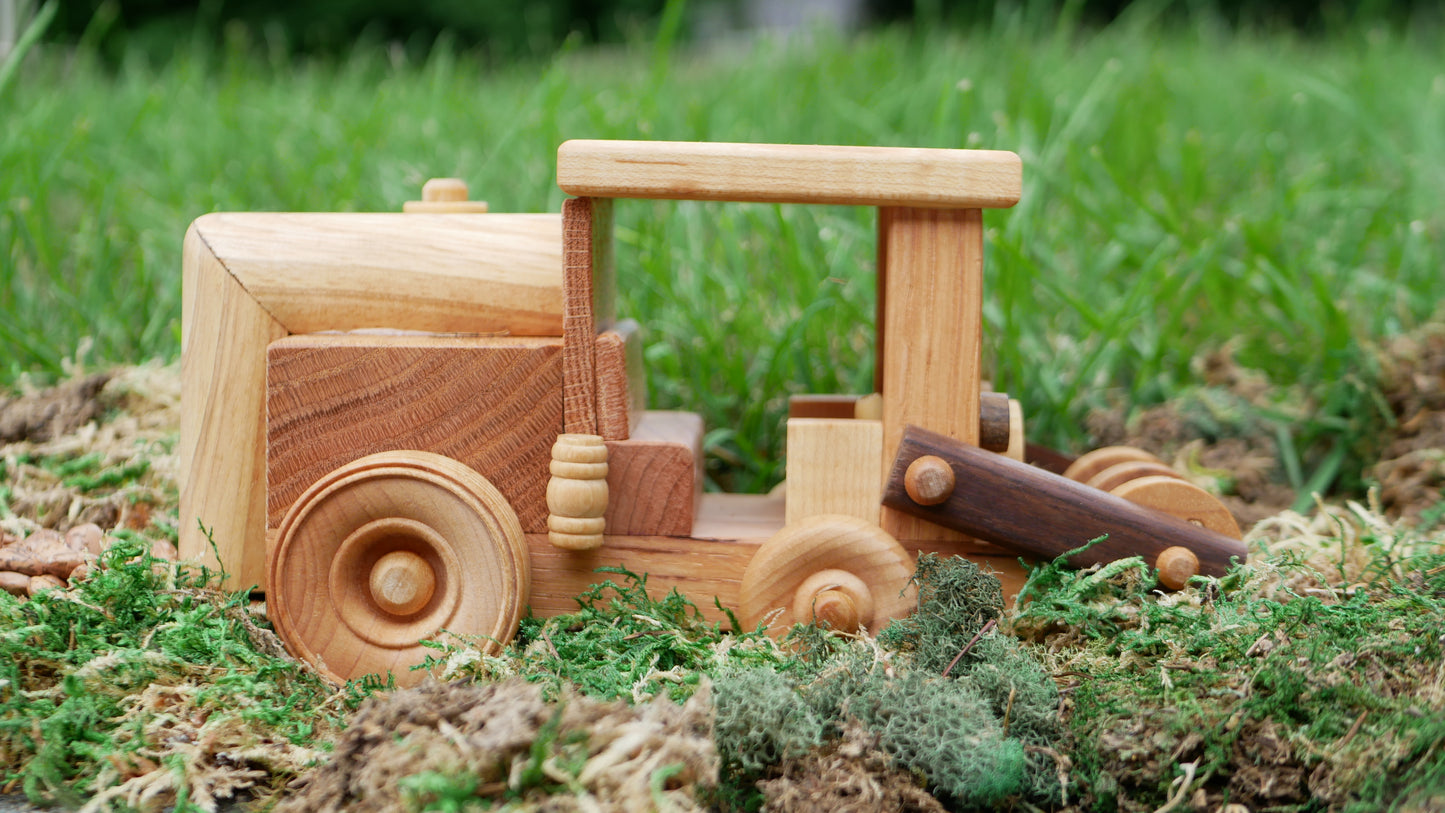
(832, 468)
(790, 173)
(224, 333)
(621, 380)
(588, 296)
(1032, 511)
(933, 329)
(1121, 473)
(1051, 460)
(495, 404)
(654, 478)
(738, 516)
(1172, 495)
(443, 273)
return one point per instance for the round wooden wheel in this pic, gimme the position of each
(838, 569)
(1180, 498)
(386, 551)
(1117, 475)
(1096, 461)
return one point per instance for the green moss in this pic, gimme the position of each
(1289, 698)
(956, 599)
(621, 643)
(90, 675)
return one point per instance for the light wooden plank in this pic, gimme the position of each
(699, 569)
(224, 334)
(933, 329)
(621, 380)
(589, 302)
(443, 273)
(790, 173)
(494, 404)
(832, 468)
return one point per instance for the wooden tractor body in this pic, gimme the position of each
(398, 424)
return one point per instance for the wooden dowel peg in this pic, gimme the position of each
(834, 597)
(437, 190)
(1016, 442)
(402, 582)
(929, 480)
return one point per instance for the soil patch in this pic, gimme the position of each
(1218, 438)
(1411, 472)
(99, 450)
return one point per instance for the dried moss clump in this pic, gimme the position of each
(980, 736)
(852, 775)
(459, 746)
(762, 721)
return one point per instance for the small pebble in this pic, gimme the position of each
(39, 542)
(44, 582)
(14, 583)
(163, 549)
(85, 538)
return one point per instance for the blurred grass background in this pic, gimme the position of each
(1196, 179)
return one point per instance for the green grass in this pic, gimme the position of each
(1186, 188)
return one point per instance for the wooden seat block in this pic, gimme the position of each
(494, 404)
(654, 478)
(621, 380)
(832, 468)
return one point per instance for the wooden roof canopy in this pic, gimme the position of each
(791, 173)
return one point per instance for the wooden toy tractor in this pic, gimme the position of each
(399, 424)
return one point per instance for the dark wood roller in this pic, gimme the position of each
(1041, 514)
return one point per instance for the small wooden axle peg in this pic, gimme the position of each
(835, 597)
(402, 582)
(929, 480)
(437, 190)
(577, 493)
(1176, 565)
